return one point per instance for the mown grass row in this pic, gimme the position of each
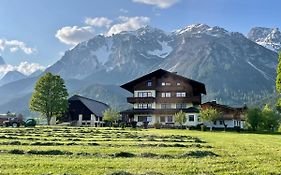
(194, 154)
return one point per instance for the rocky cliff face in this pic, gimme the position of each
(267, 37)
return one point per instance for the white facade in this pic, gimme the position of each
(230, 123)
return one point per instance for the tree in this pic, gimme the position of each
(278, 82)
(209, 115)
(49, 97)
(254, 118)
(270, 119)
(111, 115)
(180, 118)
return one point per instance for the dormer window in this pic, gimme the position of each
(149, 83)
(166, 84)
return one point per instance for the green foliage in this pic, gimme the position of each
(278, 82)
(209, 114)
(111, 115)
(278, 78)
(270, 118)
(180, 118)
(49, 97)
(254, 118)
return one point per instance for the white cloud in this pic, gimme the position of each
(98, 22)
(124, 10)
(128, 24)
(159, 3)
(74, 35)
(24, 67)
(15, 45)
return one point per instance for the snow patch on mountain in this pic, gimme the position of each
(165, 51)
(269, 38)
(262, 72)
(102, 54)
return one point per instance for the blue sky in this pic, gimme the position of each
(39, 31)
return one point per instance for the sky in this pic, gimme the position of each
(34, 34)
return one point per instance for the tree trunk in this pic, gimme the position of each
(49, 120)
(225, 125)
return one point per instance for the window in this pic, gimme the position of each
(178, 83)
(181, 94)
(144, 106)
(180, 106)
(170, 119)
(149, 83)
(166, 94)
(215, 122)
(191, 118)
(165, 84)
(142, 118)
(221, 122)
(162, 119)
(166, 106)
(144, 94)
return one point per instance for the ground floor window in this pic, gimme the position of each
(221, 122)
(162, 119)
(169, 119)
(142, 118)
(191, 118)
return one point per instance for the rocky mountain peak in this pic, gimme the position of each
(267, 37)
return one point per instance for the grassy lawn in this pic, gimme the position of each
(66, 150)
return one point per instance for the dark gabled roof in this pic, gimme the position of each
(95, 106)
(129, 86)
(214, 104)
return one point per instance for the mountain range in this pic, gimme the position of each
(235, 69)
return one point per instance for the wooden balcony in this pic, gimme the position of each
(141, 99)
(195, 100)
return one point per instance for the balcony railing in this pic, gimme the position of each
(140, 99)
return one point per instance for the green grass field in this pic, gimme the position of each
(66, 150)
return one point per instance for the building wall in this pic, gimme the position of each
(153, 92)
(230, 124)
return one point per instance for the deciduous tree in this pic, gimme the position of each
(254, 118)
(49, 97)
(180, 118)
(111, 115)
(209, 115)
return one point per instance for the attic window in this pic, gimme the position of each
(165, 84)
(149, 83)
(178, 83)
